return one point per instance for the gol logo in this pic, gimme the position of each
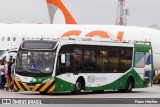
(101, 33)
(58, 4)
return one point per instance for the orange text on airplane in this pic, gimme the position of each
(100, 33)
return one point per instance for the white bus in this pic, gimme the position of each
(71, 65)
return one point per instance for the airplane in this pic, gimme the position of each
(13, 39)
(12, 35)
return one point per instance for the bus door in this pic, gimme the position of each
(143, 65)
(148, 68)
(64, 64)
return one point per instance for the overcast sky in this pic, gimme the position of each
(142, 12)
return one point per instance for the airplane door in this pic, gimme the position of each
(14, 40)
(146, 37)
(22, 38)
(8, 41)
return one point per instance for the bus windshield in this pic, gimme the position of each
(35, 63)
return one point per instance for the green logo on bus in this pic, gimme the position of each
(91, 79)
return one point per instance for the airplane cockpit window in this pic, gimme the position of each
(8, 39)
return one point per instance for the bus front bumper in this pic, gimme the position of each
(47, 87)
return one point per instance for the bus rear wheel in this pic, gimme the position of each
(129, 85)
(78, 88)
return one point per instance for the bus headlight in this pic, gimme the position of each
(47, 80)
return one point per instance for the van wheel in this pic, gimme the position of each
(78, 88)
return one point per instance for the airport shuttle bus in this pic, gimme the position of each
(73, 65)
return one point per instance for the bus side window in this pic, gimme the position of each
(125, 60)
(77, 58)
(67, 59)
(64, 67)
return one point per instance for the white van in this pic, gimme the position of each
(9, 55)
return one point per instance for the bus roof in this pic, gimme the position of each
(96, 42)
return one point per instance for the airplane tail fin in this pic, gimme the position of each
(52, 10)
(53, 5)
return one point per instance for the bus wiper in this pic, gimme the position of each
(38, 71)
(22, 71)
(29, 71)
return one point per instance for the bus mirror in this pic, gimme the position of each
(62, 58)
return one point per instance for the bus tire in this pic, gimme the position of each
(78, 87)
(129, 85)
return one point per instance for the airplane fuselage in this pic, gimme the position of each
(11, 35)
